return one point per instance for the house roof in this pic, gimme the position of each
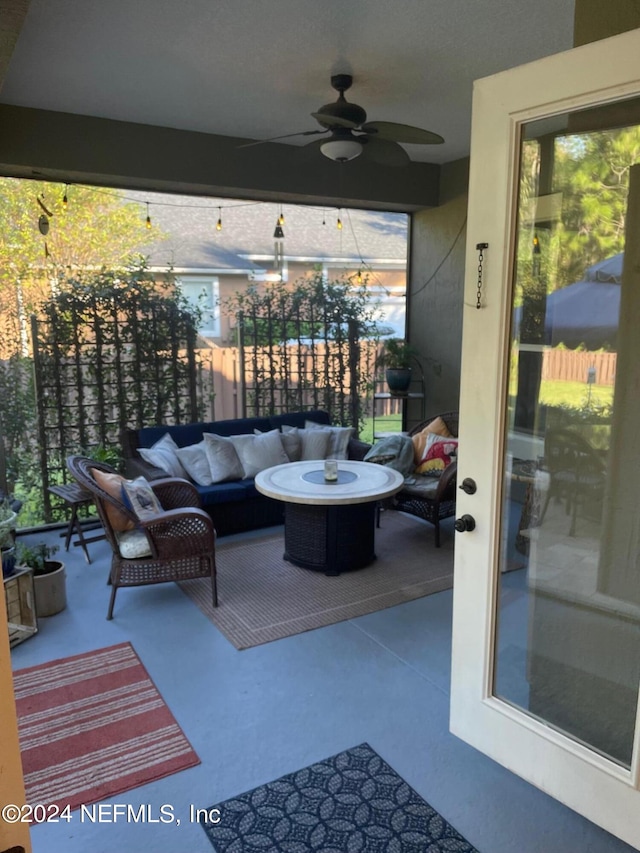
(246, 239)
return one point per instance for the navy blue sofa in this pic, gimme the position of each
(234, 506)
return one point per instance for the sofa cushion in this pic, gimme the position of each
(162, 454)
(258, 452)
(195, 462)
(297, 419)
(185, 435)
(315, 442)
(223, 459)
(221, 493)
(339, 442)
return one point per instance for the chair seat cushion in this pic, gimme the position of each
(424, 487)
(133, 544)
(220, 493)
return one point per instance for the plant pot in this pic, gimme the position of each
(398, 380)
(8, 561)
(50, 589)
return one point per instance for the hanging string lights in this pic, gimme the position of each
(219, 222)
(148, 222)
(65, 200)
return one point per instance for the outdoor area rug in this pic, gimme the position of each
(264, 598)
(351, 803)
(94, 725)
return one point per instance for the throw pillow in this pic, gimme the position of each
(340, 436)
(315, 443)
(291, 443)
(439, 453)
(112, 485)
(139, 497)
(436, 427)
(194, 460)
(224, 463)
(162, 454)
(257, 452)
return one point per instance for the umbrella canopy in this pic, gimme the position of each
(588, 311)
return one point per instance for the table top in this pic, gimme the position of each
(72, 493)
(286, 483)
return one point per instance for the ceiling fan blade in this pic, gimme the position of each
(285, 136)
(383, 151)
(401, 133)
(334, 121)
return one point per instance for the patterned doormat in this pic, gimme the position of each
(94, 725)
(350, 803)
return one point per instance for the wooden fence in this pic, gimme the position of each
(574, 366)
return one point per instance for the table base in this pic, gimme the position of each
(330, 539)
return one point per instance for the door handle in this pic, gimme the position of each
(469, 486)
(465, 524)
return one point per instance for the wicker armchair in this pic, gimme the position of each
(432, 499)
(181, 539)
(577, 473)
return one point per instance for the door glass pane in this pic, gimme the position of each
(568, 620)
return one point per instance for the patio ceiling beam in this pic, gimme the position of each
(85, 149)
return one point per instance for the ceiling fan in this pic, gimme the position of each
(351, 135)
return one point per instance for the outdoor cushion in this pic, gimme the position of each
(139, 497)
(315, 442)
(220, 493)
(133, 544)
(297, 419)
(258, 452)
(163, 455)
(195, 462)
(223, 459)
(439, 453)
(112, 485)
(340, 436)
(436, 427)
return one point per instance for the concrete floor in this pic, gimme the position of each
(257, 714)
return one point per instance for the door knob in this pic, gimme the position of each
(464, 524)
(469, 486)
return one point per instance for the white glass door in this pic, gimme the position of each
(546, 662)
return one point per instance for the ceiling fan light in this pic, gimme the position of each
(341, 150)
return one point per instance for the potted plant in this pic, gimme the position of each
(397, 357)
(7, 540)
(49, 580)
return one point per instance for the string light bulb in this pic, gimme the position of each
(65, 200)
(281, 218)
(536, 245)
(339, 222)
(148, 223)
(219, 222)
(359, 277)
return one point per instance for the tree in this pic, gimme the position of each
(94, 229)
(592, 172)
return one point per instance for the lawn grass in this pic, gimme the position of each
(384, 423)
(559, 392)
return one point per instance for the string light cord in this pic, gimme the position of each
(442, 262)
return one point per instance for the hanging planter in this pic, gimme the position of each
(397, 357)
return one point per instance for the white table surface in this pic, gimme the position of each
(286, 483)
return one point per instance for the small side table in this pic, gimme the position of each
(75, 496)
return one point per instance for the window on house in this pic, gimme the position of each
(204, 293)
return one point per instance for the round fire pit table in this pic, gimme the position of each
(329, 527)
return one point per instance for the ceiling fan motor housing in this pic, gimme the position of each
(341, 108)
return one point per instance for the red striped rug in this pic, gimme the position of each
(94, 725)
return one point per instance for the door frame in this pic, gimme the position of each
(600, 789)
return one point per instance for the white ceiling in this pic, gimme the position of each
(258, 68)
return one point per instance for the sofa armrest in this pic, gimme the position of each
(139, 468)
(357, 449)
